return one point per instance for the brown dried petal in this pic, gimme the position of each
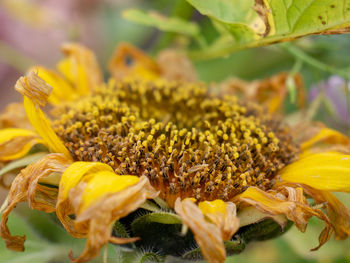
(294, 206)
(208, 236)
(85, 58)
(26, 187)
(338, 213)
(176, 66)
(14, 116)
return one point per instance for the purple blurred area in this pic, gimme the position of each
(336, 90)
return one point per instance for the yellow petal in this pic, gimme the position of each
(98, 218)
(43, 127)
(221, 214)
(326, 135)
(16, 143)
(207, 235)
(62, 90)
(325, 171)
(74, 174)
(80, 67)
(70, 179)
(140, 65)
(105, 182)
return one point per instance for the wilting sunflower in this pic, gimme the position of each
(156, 160)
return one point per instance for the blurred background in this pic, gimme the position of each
(32, 31)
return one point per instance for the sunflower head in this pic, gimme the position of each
(156, 162)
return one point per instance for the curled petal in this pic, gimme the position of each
(326, 135)
(70, 178)
(289, 202)
(61, 89)
(80, 67)
(35, 88)
(26, 187)
(14, 116)
(129, 61)
(16, 143)
(208, 235)
(97, 218)
(221, 214)
(324, 171)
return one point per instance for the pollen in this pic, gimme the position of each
(189, 142)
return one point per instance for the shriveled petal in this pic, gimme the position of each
(270, 92)
(326, 135)
(325, 171)
(221, 214)
(129, 61)
(70, 179)
(61, 89)
(43, 127)
(35, 88)
(16, 143)
(208, 235)
(14, 116)
(338, 213)
(98, 218)
(293, 205)
(80, 67)
(26, 187)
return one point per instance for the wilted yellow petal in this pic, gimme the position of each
(97, 219)
(324, 171)
(326, 135)
(16, 143)
(26, 187)
(62, 90)
(294, 206)
(207, 235)
(221, 214)
(43, 127)
(105, 182)
(212, 207)
(80, 67)
(70, 178)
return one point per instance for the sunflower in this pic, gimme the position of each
(185, 170)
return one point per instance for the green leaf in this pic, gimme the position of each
(163, 23)
(238, 18)
(253, 23)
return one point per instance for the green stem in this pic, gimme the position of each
(307, 59)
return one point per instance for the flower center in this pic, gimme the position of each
(188, 142)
